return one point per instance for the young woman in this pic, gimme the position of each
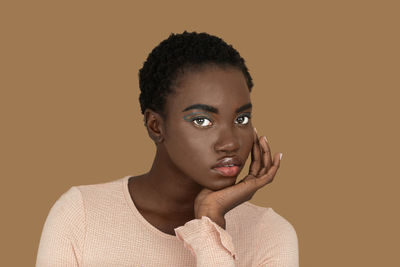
(188, 209)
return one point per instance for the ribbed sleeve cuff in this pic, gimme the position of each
(204, 235)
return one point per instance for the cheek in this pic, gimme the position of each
(188, 151)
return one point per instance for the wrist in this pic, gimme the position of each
(216, 218)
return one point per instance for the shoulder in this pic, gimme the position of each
(263, 224)
(265, 219)
(68, 204)
(250, 211)
(100, 190)
(271, 221)
(73, 201)
(273, 235)
(65, 228)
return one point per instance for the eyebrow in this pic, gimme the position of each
(213, 109)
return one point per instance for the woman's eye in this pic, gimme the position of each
(243, 119)
(202, 122)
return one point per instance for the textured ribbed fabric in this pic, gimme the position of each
(99, 225)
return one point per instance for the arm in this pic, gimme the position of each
(63, 233)
(212, 245)
(208, 242)
(204, 238)
(280, 249)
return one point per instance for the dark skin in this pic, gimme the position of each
(180, 185)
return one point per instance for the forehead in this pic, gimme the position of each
(223, 88)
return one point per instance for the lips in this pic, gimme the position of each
(228, 171)
(228, 166)
(228, 161)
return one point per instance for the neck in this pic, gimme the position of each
(172, 191)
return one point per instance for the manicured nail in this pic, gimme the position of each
(280, 157)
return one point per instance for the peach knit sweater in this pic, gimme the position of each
(99, 225)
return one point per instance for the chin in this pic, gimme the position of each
(219, 184)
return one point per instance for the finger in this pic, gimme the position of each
(270, 175)
(248, 186)
(262, 163)
(254, 152)
(266, 157)
(255, 164)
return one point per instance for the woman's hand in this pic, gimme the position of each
(214, 204)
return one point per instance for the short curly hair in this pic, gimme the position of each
(181, 52)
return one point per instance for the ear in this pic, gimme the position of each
(155, 125)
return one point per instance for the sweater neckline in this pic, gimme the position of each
(131, 204)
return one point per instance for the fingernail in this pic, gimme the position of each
(255, 129)
(265, 139)
(280, 157)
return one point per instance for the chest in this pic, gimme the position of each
(163, 224)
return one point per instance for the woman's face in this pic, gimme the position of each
(195, 139)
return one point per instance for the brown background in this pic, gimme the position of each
(326, 95)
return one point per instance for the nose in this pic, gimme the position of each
(227, 141)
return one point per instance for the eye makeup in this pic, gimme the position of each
(192, 116)
(245, 114)
(189, 117)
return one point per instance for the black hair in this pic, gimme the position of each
(181, 52)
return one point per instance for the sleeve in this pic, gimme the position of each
(280, 249)
(63, 233)
(208, 242)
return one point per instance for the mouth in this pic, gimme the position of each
(229, 171)
(228, 166)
